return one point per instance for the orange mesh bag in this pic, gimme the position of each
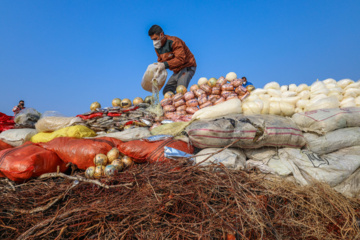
(80, 152)
(28, 160)
(4, 145)
(144, 151)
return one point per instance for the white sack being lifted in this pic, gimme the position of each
(326, 120)
(333, 141)
(252, 131)
(231, 158)
(150, 74)
(331, 168)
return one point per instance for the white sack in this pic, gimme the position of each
(326, 120)
(331, 168)
(16, 137)
(52, 123)
(253, 131)
(231, 158)
(351, 186)
(129, 134)
(232, 106)
(333, 141)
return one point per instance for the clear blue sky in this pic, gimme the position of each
(63, 55)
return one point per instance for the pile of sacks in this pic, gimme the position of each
(116, 119)
(287, 100)
(321, 145)
(206, 93)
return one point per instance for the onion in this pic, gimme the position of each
(89, 173)
(127, 161)
(202, 81)
(94, 106)
(116, 102)
(100, 159)
(113, 154)
(181, 89)
(169, 94)
(125, 103)
(231, 76)
(194, 87)
(137, 101)
(212, 82)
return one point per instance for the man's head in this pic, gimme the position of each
(157, 35)
(21, 102)
(244, 79)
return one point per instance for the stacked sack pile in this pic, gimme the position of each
(287, 100)
(206, 93)
(123, 115)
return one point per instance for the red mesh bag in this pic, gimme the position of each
(6, 122)
(28, 160)
(80, 152)
(144, 151)
(4, 145)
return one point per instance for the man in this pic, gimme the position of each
(249, 86)
(173, 54)
(19, 107)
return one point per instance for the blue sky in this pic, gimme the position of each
(63, 55)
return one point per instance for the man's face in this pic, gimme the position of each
(22, 103)
(157, 36)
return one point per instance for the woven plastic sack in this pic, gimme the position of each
(51, 121)
(254, 131)
(27, 161)
(80, 152)
(78, 131)
(231, 158)
(144, 151)
(4, 145)
(150, 74)
(16, 137)
(333, 141)
(326, 120)
(6, 122)
(129, 134)
(331, 168)
(232, 106)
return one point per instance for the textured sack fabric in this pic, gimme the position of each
(53, 123)
(231, 158)
(332, 168)
(333, 141)
(80, 152)
(16, 137)
(78, 131)
(144, 151)
(4, 145)
(326, 120)
(253, 131)
(28, 160)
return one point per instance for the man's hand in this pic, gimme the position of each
(160, 67)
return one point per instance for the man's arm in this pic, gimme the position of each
(179, 55)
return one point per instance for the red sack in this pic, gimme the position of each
(6, 122)
(28, 160)
(80, 152)
(4, 145)
(144, 151)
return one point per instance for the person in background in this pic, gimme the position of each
(173, 54)
(249, 86)
(19, 107)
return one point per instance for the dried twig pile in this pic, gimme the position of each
(175, 200)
